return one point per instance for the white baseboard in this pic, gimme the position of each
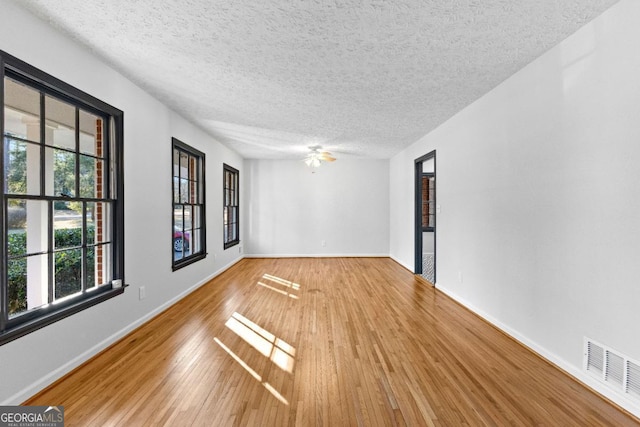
(53, 376)
(407, 266)
(567, 367)
(316, 255)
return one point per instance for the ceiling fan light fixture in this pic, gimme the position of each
(316, 157)
(313, 161)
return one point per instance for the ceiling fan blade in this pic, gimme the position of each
(326, 156)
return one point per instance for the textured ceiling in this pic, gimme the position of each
(359, 77)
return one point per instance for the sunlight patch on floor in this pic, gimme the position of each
(277, 350)
(290, 287)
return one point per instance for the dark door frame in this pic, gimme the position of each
(418, 213)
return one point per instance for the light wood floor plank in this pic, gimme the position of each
(322, 342)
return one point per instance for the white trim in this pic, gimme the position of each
(316, 255)
(407, 266)
(586, 379)
(49, 379)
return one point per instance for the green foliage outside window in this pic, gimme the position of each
(68, 266)
(64, 171)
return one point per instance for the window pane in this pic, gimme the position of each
(196, 216)
(17, 281)
(178, 253)
(91, 177)
(27, 284)
(180, 239)
(184, 165)
(184, 191)
(61, 123)
(68, 272)
(63, 173)
(190, 168)
(176, 190)
(178, 218)
(91, 212)
(187, 240)
(67, 224)
(176, 163)
(21, 111)
(27, 222)
(193, 168)
(193, 180)
(91, 134)
(21, 167)
(98, 266)
(194, 241)
(97, 230)
(193, 190)
(17, 222)
(92, 268)
(188, 218)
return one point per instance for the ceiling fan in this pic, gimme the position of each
(315, 157)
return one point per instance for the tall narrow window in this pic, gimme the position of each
(188, 242)
(230, 213)
(428, 201)
(62, 239)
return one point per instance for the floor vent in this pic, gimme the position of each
(616, 370)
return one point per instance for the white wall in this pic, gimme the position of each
(33, 361)
(539, 195)
(291, 211)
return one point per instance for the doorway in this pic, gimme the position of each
(425, 217)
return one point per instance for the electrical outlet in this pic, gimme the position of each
(324, 243)
(142, 291)
(239, 249)
(460, 276)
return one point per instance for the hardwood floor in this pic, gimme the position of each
(322, 341)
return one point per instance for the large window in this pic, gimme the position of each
(62, 214)
(188, 244)
(230, 213)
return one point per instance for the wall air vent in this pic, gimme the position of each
(616, 370)
(594, 358)
(632, 383)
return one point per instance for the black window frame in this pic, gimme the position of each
(49, 86)
(199, 179)
(230, 202)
